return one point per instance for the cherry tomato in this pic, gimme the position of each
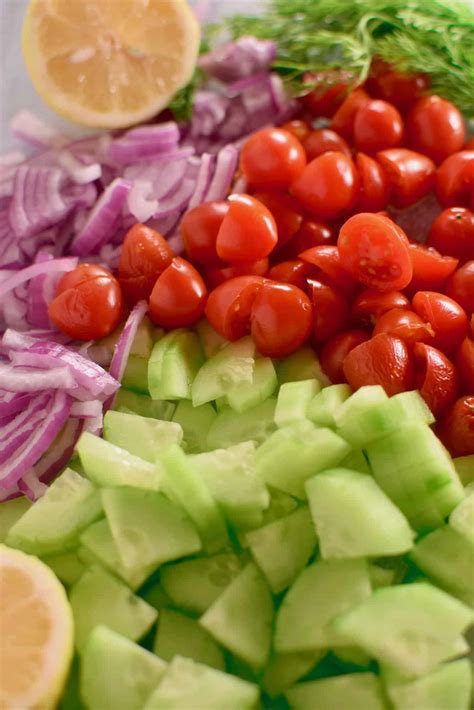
(377, 126)
(145, 254)
(335, 350)
(328, 186)
(272, 158)
(330, 87)
(374, 184)
(300, 129)
(460, 287)
(411, 175)
(375, 251)
(88, 304)
(456, 430)
(229, 305)
(328, 260)
(311, 234)
(404, 324)
(452, 232)
(469, 145)
(472, 326)
(199, 229)
(330, 313)
(445, 316)
(292, 272)
(435, 377)
(215, 277)
(179, 296)
(343, 120)
(248, 231)
(430, 270)
(382, 360)
(455, 180)
(465, 364)
(322, 140)
(399, 88)
(435, 127)
(285, 211)
(370, 305)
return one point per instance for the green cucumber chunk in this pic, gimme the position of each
(448, 687)
(53, 524)
(381, 576)
(281, 504)
(354, 518)
(140, 436)
(179, 635)
(249, 394)
(241, 618)
(135, 376)
(66, 566)
(100, 598)
(464, 466)
(301, 365)
(286, 668)
(173, 365)
(462, 518)
(230, 427)
(11, 511)
(142, 343)
(133, 403)
(210, 339)
(357, 691)
(195, 423)
(293, 401)
(116, 673)
(356, 461)
(325, 404)
(229, 368)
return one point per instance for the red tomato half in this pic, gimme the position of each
(370, 305)
(330, 87)
(215, 277)
(300, 129)
(456, 430)
(285, 211)
(452, 232)
(374, 184)
(465, 364)
(272, 158)
(330, 313)
(435, 377)
(247, 233)
(311, 234)
(144, 256)
(445, 316)
(179, 296)
(199, 229)
(382, 360)
(322, 140)
(343, 119)
(228, 306)
(430, 270)
(292, 272)
(435, 127)
(455, 180)
(328, 186)
(328, 260)
(399, 88)
(377, 126)
(411, 175)
(404, 324)
(460, 287)
(335, 350)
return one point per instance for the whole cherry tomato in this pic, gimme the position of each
(452, 233)
(285, 211)
(215, 277)
(460, 287)
(330, 311)
(328, 186)
(399, 88)
(311, 234)
(375, 251)
(335, 350)
(248, 231)
(411, 175)
(88, 304)
(374, 184)
(446, 317)
(465, 364)
(382, 360)
(229, 305)
(435, 127)
(469, 145)
(145, 254)
(272, 158)
(430, 270)
(199, 229)
(435, 377)
(179, 296)
(377, 126)
(370, 305)
(292, 272)
(456, 430)
(455, 180)
(330, 87)
(404, 324)
(328, 260)
(343, 120)
(300, 129)
(322, 140)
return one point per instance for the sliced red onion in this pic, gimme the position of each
(240, 185)
(14, 308)
(80, 172)
(238, 59)
(177, 201)
(9, 160)
(209, 112)
(12, 403)
(19, 429)
(141, 202)
(25, 379)
(125, 342)
(226, 166)
(144, 142)
(31, 486)
(92, 414)
(27, 127)
(40, 292)
(164, 173)
(67, 263)
(9, 493)
(59, 453)
(203, 180)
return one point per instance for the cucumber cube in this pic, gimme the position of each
(210, 339)
(140, 436)
(293, 401)
(173, 365)
(287, 668)
(356, 461)
(135, 377)
(99, 598)
(448, 686)
(66, 566)
(357, 691)
(230, 428)
(241, 618)
(229, 368)
(321, 592)
(281, 504)
(464, 466)
(354, 518)
(248, 395)
(179, 635)
(12, 510)
(324, 405)
(462, 518)
(53, 524)
(195, 423)
(301, 365)
(381, 576)
(133, 403)
(117, 674)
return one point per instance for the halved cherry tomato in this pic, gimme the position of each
(435, 377)
(435, 127)
(404, 324)
(285, 211)
(430, 270)
(375, 251)
(199, 229)
(215, 277)
(335, 350)
(330, 313)
(452, 232)
(382, 360)
(292, 272)
(399, 88)
(343, 120)
(445, 316)
(370, 305)
(311, 234)
(469, 145)
(328, 260)
(228, 306)
(465, 364)
(330, 87)
(179, 296)
(322, 140)
(460, 287)
(300, 129)
(411, 175)
(328, 186)
(455, 180)
(374, 184)
(456, 430)
(88, 304)
(248, 231)
(281, 319)
(472, 326)
(272, 158)
(377, 126)
(144, 256)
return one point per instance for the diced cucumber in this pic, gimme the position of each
(448, 559)
(322, 591)
(293, 401)
(195, 423)
(354, 408)
(131, 402)
(154, 594)
(186, 487)
(179, 635)
(356, 461)
(464, 466)
(221, 403)
(414, 469)
(185, 683)
(351, 656)
(293, 454)
(116, 673)
(357, 691)
(11, 511)
(210, 339)
(283, 548)
(324, 405)
(286, 668)
(53, 524)
(194, 585)
(229, 427)
(381, 576)
(229, 368)
(241, 618)
(140, 436)
(410, 627)
(100, 598)
(66, 566)
(248, 395)
(173, 365)
(301, 365)
(135, 377)
(354, 518)
(446, 688)
(147, 528)
(142, 343)
(281, 504)
(462, 518)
